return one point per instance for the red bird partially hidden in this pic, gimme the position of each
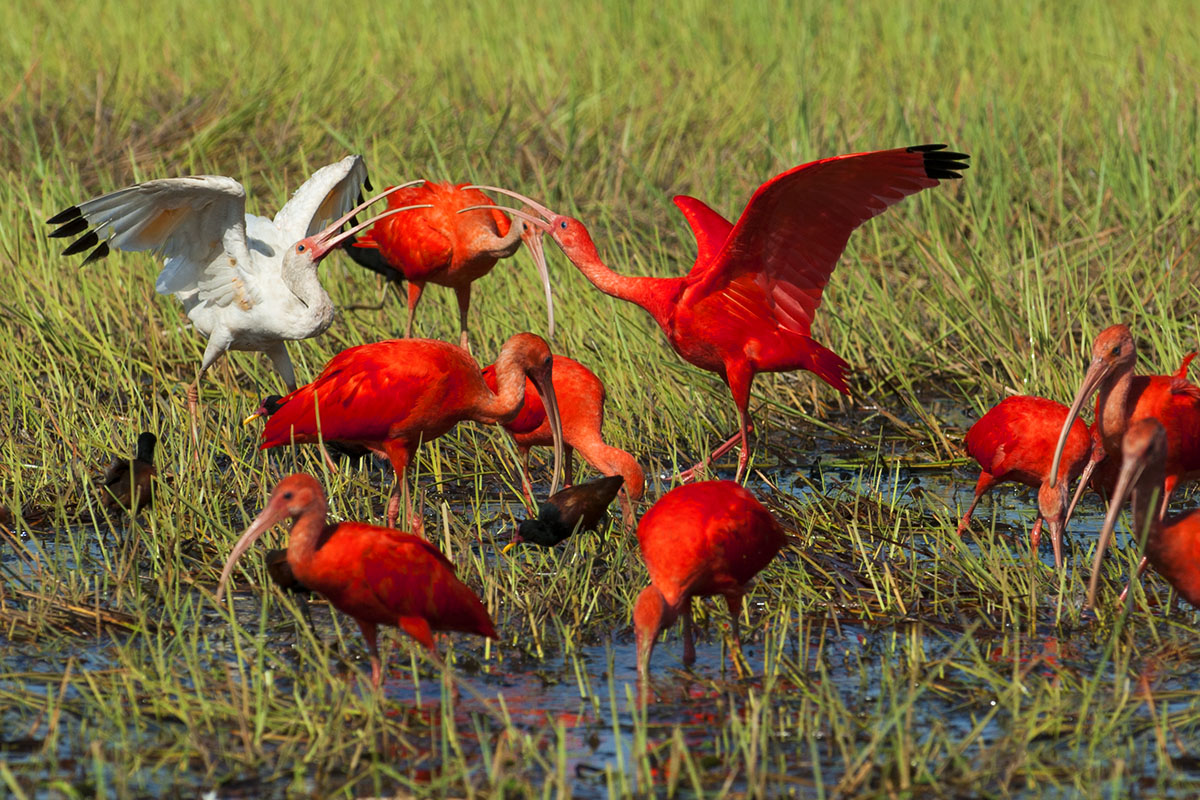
(581, 398)
(391, 396)
(701, 539)
(439, 245)
(1014, 442)
(748, 303)
(1125, 398)
(376, 575)
(1172, 542)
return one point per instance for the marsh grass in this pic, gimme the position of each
(890, 660)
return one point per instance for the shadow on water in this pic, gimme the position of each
(581, 701)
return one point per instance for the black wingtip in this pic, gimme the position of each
(940, 163)
(367, 184)
(97, 254)
(372, 259)
(63, 216)
(70, 228)
(88, 240)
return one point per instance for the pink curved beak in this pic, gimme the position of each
(1096, 373)
(532, 237)
(1131, 470)
(273, 513)
(328, 239)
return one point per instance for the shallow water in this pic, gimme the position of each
(590, 694)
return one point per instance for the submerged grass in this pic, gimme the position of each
(889, 659)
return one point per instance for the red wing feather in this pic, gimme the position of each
(413, 578)
(710, 228)
(356, 396)
(796, 225)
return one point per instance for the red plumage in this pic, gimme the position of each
(445, 244)
(1172, 541)
(376, 575)
(581, 398)
(1014, 442)
(748, 302)
(390, 396)
(1124, 398)
(700, 539)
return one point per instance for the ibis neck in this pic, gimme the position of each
(300, 278)
(503, 405)
(503, 246)
(656, 295)
(305, 536)
(1111, 412)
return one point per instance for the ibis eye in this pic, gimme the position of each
(1116, 351)
(287, 495)
(300, 248)
(563, 224)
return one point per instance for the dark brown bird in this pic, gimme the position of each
(582, 507)
(126, 481)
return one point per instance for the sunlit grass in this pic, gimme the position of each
(122, 677)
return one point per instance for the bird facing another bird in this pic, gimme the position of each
(440, 245)
(748, 303)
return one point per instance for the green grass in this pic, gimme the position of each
(1077, 212)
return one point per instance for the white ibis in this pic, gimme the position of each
(245, 281)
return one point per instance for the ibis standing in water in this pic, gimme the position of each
(1172, 541)
(1124, 398)
(391, 396)
(700, 539)
(1015, 442)
(378, 576)
(442, 246)
(748, 303)
(245, 281)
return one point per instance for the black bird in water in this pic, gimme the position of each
(128, 481)
(580, 507)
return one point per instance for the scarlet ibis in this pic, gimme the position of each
(748, 303)
(376, 575)
(1102, 482)
(1015, 442)
(441, 246)
(1125, 398)
(575, 508)
(127, 482)
(334, 451)
(246, 282)
(699, 539)
(581, 398)
(390, 396)
(1172, 541)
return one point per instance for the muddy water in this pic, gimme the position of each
(588, 696)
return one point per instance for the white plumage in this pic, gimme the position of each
(245, 281)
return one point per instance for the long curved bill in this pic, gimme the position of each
(532, 237)
(330, 238)
(1131, 470)
(1083, 482)
(545, 387)
(1097, 370)
(262, 523)
(535, 205)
